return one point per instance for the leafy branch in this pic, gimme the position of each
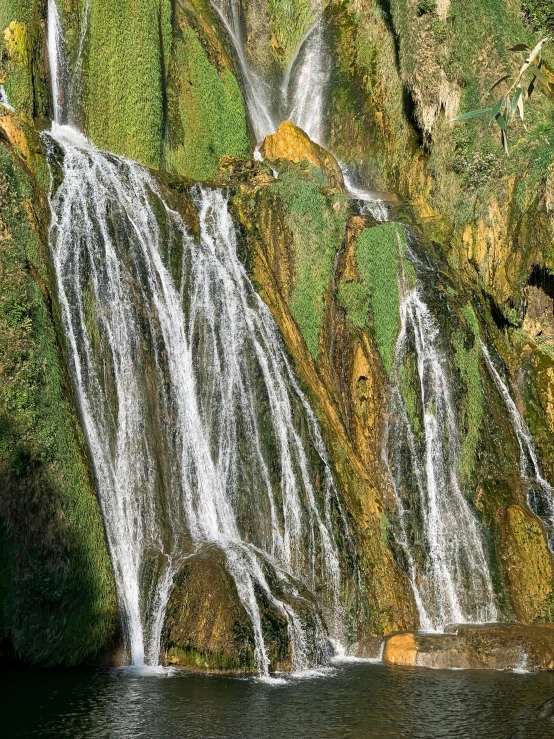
(521, 89)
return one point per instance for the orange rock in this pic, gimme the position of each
(290, 142)
(400, 650)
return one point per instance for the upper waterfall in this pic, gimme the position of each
(300, 96)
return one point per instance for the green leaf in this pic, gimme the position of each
(502, 122)
(516, 99)
(539, 75)
(520, 47)
(505, 141)
(471, 114)
(496, 109)
(498, 82)
(509, 109)
(520, 105)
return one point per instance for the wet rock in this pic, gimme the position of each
(290, 142)
(547, 709)
(492, 646)
(208, 628)
(370, 647)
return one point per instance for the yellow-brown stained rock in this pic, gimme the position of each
(528, 564)
(400, 649)
(290, 142)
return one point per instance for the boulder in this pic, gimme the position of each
(546, 710)
(207, 628)
(290, 142)
(490, 646)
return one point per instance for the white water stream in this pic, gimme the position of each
(529, 463)
(437, 529)
(198, 431)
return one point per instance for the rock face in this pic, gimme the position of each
(493, 646)
(290, 142)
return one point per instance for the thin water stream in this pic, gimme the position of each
(541, 493)
(436, 528)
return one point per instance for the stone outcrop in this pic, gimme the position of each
(290, 142)
(493, 647)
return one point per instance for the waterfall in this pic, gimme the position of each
(191, 411)
(436, 528)
(304, 88)
(541, 493)
(257, 90)
(57, 63)
(198, 431)
(301, 95)
(4, 99)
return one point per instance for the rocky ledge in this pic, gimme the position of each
(486, 647)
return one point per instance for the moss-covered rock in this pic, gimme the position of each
(57, 593)
(23, 69)
(290, 142)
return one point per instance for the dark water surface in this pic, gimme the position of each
(351, 700)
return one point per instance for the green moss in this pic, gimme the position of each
(207, 118)
(21, 57)
(129, 44)
(377, 256)
(289, 21)
(58, 595)
(356, 301)
(317, 225)
(191, 657)
(468, 360)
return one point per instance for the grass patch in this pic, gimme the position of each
(317, 223)
(377, 257)
(129, 47)
(207, 118)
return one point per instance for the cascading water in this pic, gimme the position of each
(4, 99)
(541, 493)
(305, 85)
(301, 95)
(435, 527)
(198, 431)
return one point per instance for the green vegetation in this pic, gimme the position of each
(539, 15)
(21, 57)
(378, 251)
(511, 101)
(128, 55)
(207, 118)
(289, 21)
(57, 593)
(317, 225)
(468, 361)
